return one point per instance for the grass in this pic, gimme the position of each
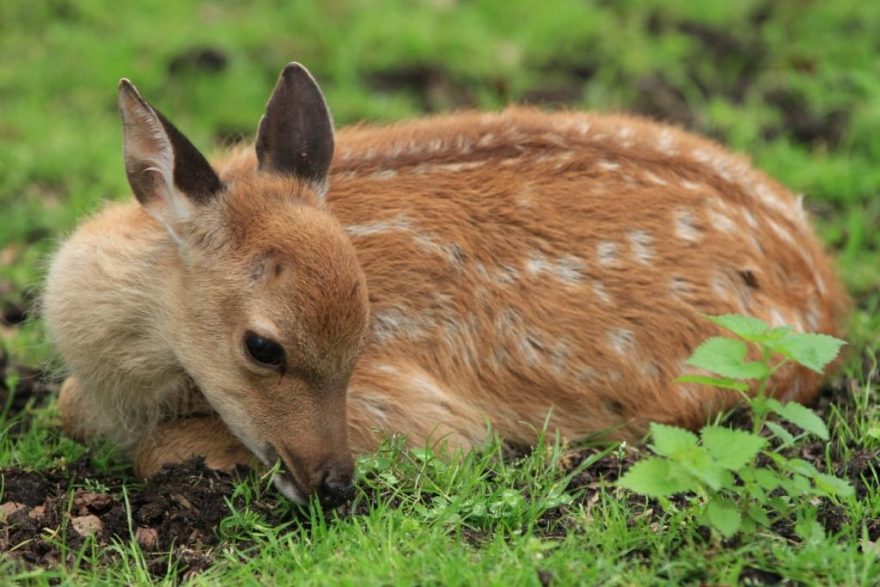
(794, 84)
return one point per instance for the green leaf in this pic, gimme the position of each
(831, 485)
(780, 432)
(731, 449)
(727, 357)
(802, 417)
(723, 518)
(811, 350)
(745, 327)
(722, 382)
(759, 516)
(670, 441)
(767, 478)
(657, 478)
(801, 467)
(699, 463)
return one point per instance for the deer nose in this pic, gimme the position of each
(336, 486)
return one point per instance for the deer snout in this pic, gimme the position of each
(336, 484)
(330, 481)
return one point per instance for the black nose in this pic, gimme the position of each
(336, 487)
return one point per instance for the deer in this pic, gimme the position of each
(443, 279)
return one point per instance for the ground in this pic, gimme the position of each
(795, 84)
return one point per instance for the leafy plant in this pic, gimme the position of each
(732, 492)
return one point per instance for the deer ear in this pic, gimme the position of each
(296, 133)
(167, 174)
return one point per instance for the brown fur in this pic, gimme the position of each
(517, 265)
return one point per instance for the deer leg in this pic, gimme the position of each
(179, 440)
(77, 419)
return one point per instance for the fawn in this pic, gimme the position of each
(306, 295)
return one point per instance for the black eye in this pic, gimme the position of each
(265, 351)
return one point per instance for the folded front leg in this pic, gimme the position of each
(179, 440)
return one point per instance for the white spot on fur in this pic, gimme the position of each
(401, 222)
(679, 286)
(685, 228)
(506, 274)
(569, 269)
(621, 340)
(640, 243)
(606, 251)
(722, 222)
(394, 323)
(750, 218)
(536, 264)
(384, 174)
(386, 368)
(486, 140)
(608, 165)
(666, 142)
(690, 185)
(781, 232)
(601, 292)
(776, 318)
(449, 251)
(655, 179)
(812, 317)
(586, 375)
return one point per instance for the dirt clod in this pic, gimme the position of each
(87, 525)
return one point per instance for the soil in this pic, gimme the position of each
(29, 389)
(178, 511)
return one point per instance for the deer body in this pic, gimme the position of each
(460, 271)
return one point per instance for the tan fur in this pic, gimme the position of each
(517, 264)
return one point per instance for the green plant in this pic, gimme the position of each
(733, 489)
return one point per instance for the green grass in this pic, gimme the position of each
(798, 90)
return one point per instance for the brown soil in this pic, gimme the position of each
(43, 519)
(29, 389)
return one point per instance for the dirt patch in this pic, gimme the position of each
(435, 88)
(202, 59)
(45, 516)
(802, 122)
(21, 389)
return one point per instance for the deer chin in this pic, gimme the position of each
(289, 489)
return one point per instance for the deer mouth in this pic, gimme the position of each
(284, 479)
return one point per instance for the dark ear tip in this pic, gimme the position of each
(128, 91)
(295, 71)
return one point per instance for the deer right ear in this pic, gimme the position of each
(296, 133)
(166, 172)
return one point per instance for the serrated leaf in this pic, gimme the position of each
(797, 485)
(812, 350)
(767, 478)
(727, 357)
(759, 516)
(780, 432)
(721, 382)
(802, 417)
(731, 449)
(656, 478)
(801, 467)
(723, 518)
(743, 326)
(671, 440)
(831, 485)
(699, 463)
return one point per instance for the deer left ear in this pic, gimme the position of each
(167, 174)
(296, 133)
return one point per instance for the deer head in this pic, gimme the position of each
(267, 305)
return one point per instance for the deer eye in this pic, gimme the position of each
(264, 351)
